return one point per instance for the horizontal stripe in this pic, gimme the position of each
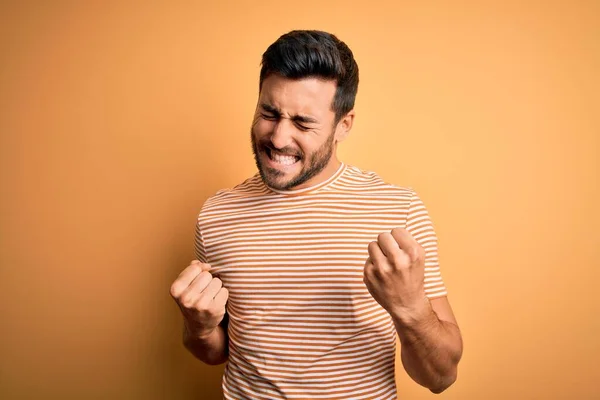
(302, 323)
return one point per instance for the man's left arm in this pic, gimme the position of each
(428, 332)
(431, 344)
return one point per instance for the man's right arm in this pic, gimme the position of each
(202, 300)
(212, 349)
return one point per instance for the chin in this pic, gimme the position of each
(277, 181)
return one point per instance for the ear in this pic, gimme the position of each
(344, 126)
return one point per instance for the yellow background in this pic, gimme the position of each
(118, 120)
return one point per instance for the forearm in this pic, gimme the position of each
(430, 348)
(212, 350)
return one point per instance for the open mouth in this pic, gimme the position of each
(281, 159)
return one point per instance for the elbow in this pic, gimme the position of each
(215, 361)
(207, 357)
(449, 376)
(445, 382)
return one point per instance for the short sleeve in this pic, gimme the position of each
(199, 250)
(420, 226)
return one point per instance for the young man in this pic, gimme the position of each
(308, 270)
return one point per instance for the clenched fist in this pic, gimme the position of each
(200, 297)
(394, 272)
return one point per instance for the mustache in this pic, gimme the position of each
(286, 151)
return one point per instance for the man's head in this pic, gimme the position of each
(308, 84)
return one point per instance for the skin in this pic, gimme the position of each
(201, 299)
(295, 117)
(431, 342)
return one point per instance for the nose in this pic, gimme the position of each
(282, 134)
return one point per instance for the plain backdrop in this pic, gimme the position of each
(118, 119)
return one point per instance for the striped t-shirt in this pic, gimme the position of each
(302, 324)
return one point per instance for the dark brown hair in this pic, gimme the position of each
(311, 53)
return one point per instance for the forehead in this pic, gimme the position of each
(293, 96)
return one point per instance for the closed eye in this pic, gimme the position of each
(269, 116)
(302, 127)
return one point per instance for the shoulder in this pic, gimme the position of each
(229, 197)
(366, 179)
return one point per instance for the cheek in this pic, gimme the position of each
(308, 145)
(262, 127)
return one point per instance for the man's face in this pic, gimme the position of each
(293, 137)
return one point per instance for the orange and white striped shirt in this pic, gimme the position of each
(302, 324)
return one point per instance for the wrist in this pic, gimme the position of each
(416, 314)
(197, 333)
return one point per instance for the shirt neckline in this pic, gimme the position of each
(313, 188)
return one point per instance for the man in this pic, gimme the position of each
(308, 270)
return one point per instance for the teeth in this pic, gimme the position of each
(285, 160)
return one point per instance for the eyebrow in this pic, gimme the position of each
(298, 117)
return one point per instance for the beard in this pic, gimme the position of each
(312, 164)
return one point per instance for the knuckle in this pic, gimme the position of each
(398, 230)
(187, 301)
(367, 273)
(417, 258)
(205, 266)
(398, 259)
(215, 309)
(421, 254)
(175, 290)
(417, 254)
(205, 274)
(203, 304)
